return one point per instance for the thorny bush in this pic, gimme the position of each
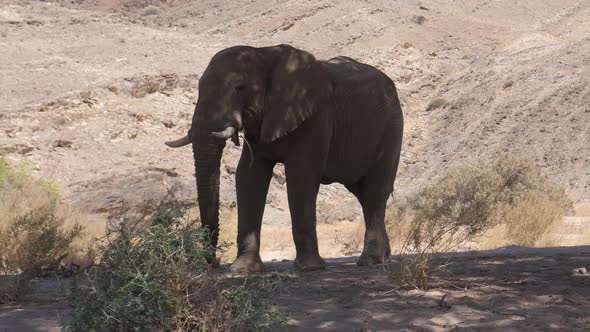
(153, 276)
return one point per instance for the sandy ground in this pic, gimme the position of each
(42, 311)
(90, 90)
(512, 289)
(503, 292)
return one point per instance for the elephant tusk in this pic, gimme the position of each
(225, 134)
(179, 142)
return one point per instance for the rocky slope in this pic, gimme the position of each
(91, 89)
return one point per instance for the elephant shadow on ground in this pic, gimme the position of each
(527, 291)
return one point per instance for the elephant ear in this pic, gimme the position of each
(297, 88)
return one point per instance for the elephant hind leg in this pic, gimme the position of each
(372, 193)
(376, 242)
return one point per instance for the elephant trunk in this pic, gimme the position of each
(207, 152)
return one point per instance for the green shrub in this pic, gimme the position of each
(436, 104)
(16, 178)
(151, 10)
(153, 276)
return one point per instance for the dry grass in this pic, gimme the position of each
(38, 232)
(336, 239)
(565, 232)
(582, 209)
(344, 238)
(436, 104)
(228, 233)
(398, 223)
(525, 223)
(510, 202)
(274, 238)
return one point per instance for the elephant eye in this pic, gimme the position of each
(240, 87)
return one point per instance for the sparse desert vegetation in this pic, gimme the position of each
(38, 231)
(509, 202)
(153, 275)
(151, 10)
(436, 104)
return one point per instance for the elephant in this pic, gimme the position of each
(326, 121)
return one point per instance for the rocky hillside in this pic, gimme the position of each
(91, 89)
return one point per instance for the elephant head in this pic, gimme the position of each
(266, 92)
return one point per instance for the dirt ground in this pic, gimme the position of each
(516, 289)
(90, 90)
(514, 292)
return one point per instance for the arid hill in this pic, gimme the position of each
(91, 89)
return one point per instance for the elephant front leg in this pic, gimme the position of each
(302, 190)
(252, 181)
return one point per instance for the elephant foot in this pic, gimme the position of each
(372, 259)
(213, 261)
(247, 264)
(310, 263)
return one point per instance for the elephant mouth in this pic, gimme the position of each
(231, 130)
(226, 133)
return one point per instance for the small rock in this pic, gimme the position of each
(89, 102)
(11, 132)
(448, 299)
(7, 149)
(168, 124)
(62, 144)
(418, 19)
(113, 89)
(26, 150)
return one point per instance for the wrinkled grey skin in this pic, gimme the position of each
(326, 121)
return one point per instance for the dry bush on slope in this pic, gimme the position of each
(523, 224)
(35, 229)
(153, 276)
(151, 10)
(465, 205)
(530, 207)
(436, 104)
